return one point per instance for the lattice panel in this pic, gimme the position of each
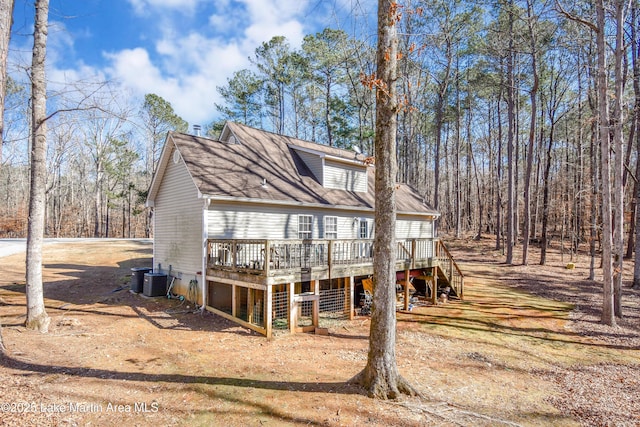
(335, 303)
(281, 310)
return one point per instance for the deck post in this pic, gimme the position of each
(234, 296)
(450, 269)
(316, 303)
(267, 257)
(268, 317)
(293, 308)
(406, 290)
(234, 254)
(250, 302)
(434, 284)
(414, 254)
(352, 296)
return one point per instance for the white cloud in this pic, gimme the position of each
(185, 67)
(269, 18)
(134, 68)
(186, 76)
(142, 6)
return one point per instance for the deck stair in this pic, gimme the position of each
(448, 272)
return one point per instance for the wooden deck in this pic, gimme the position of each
(261, 263)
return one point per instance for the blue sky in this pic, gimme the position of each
(178, 49)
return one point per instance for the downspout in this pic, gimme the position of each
(152, 226)
(205, 244)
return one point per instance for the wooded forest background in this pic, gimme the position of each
(499, 126)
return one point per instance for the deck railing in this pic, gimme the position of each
(262, 256)
(274, 257)
(268, 256)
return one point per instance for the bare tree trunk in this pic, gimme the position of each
(608, 317)
(6, 20)
(457, 189)
(532, 137)
(618, 164)
(579, 232)
(478, 195)
(97, 225)
(440, 107)
(380, 376)
(538, 155)
(545, 197)
(436, 159)
(635, 51)
(595, 185)
(3, 350)
(499, 181)
(632, 224)
(510, 142)
(327, 112)
(636, 266)
(37, 317)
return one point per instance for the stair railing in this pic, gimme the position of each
(450, 268)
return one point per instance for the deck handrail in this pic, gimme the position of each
(256, 255)
(450, 268)
(265, 257)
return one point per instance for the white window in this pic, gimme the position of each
(364, 229)
(330, 227)
(305, 226)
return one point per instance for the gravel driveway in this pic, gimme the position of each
(15, 246)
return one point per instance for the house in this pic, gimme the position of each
(276, 233)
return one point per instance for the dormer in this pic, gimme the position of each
(228, 136)
(338, 173)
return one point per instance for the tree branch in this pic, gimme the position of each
(567, 15)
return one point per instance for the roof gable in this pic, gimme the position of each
(254, 165)
(168, 154)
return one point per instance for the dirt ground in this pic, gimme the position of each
(525, 347)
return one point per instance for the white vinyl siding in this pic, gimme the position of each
(251, 221)
(414, 228)
(342, 176)
(228, 220)
(178, 223)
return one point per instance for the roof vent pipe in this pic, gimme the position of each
(196, 130)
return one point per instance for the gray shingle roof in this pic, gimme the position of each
(226, 170)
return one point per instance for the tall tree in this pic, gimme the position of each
(158, 117)
(618, 159)
(556, 88)
(242, 98)
(443, 81)
(608, 316)
(635, 58)
(272, 61)
(37, 318)
(380, 376)
(533, 94)
(6, 19)
(511, 136)
(328, 58)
